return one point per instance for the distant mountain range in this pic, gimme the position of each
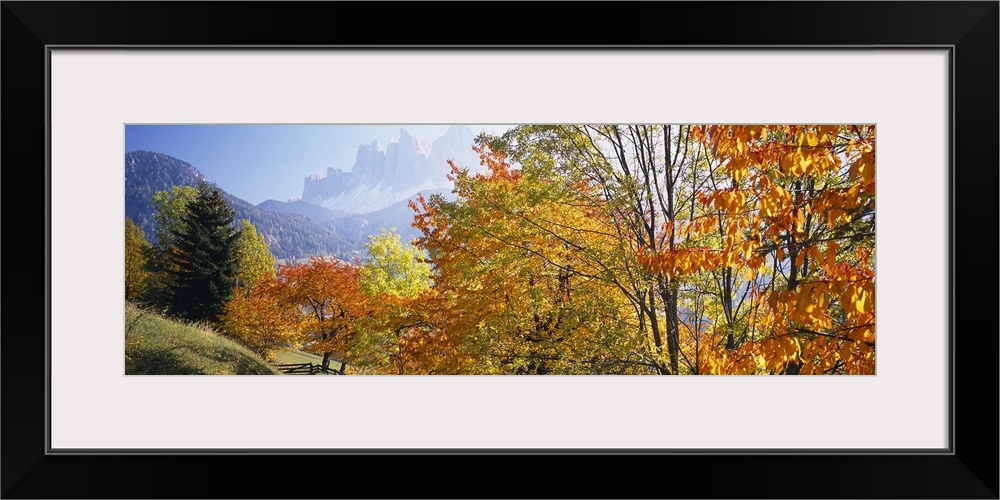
(382, 177)
(314, 212)
(290, 235)
(338, 211)
(357, 227)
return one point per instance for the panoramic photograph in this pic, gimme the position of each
(570, 249)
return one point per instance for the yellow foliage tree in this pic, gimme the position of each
(136, 251)
(514, 262)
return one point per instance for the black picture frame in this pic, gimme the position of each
(968, 470)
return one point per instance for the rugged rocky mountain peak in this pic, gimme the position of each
(381, 177)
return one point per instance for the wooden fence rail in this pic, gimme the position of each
(307, 368)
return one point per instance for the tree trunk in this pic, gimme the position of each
(326, 361)
(669, 295)
(650, 311)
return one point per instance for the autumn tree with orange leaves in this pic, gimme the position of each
(261, 318)
(521, 259)
(326, 295)
(803, 198)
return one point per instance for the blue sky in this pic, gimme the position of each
(258, 162)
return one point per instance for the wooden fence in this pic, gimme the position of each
(308, 369)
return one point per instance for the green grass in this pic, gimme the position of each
(155, 345)
(297, 357)
(292, 357)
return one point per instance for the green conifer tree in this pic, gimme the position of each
(204, 257)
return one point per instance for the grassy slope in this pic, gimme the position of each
(158, 346)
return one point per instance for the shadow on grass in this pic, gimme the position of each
(157, 362)
(240, 364)
(250, 367)
(169, 362)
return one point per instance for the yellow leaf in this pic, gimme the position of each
(862, 301)
(846, 350)
(832, 216)
(766, 207)
(786, 163)
(798, 169)
(811, 138)
(806, 308)
(831, 253)
(849, 299)
(829, 129)
(868, 174)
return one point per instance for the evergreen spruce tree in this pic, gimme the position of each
(171, 205)
(204, 257)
